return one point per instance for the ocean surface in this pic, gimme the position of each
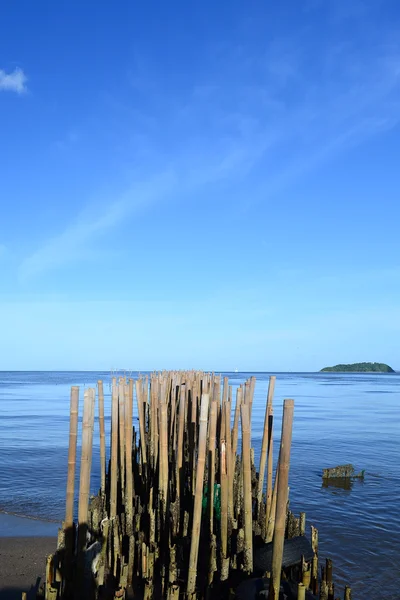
(352, 418)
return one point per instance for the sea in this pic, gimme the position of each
(338, 419)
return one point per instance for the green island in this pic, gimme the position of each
(364, 367)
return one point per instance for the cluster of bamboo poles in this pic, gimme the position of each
(181, 501)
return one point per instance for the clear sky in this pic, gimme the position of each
(199, 184)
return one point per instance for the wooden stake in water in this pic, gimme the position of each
(270, 464)
(73, 434)
(114, 452)
(86, 461)
(195, 538)
(247, 500)
(102, 439)
(282, 498)
(265, 439)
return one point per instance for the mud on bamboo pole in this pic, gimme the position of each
(195, 538)
(73, 435)
(102, 439)
(86, 460)
(247, 497)
(282, 498)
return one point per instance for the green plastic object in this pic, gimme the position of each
(217, 501)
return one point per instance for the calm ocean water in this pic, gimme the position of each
(338, 419)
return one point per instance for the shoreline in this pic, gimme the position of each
(25, 542)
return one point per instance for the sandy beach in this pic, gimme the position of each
(24, 545)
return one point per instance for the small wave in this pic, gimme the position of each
(31, 517)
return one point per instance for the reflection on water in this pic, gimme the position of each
(339, 419)
(343, 483)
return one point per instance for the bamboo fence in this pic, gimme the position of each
(181, 508)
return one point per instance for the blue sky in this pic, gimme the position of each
(199, 184)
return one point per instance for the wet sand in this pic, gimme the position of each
(24, 546)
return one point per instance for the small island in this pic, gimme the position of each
(364, 367)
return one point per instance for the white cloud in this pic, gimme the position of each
(13, 82)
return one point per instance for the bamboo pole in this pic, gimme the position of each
(270, 463)
(211, 462)
(102, 439)
(347, 593)
(164, 455)
(247, 501)
(181, 431)
(114, 452)
(128, 459)
(121, 417)
(86, 458)
(282, 497)
(301, 592)
(265, 439)
(194, 545)
(235, 429)
(224, 499)
(229, 461)
(141, 421)
(73, 435)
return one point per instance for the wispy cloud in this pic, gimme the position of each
(277, 111)
(13, 82)
(73, 242)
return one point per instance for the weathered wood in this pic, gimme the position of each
(86, 459)
(282, 498)
(114, 452)
(265, 439)
(247, 501)
(102, 438)
(194, 546)
(73, 436)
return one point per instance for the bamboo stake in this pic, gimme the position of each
(114, 452)
(128, 458)
(86, 457)
(270, 463)
(248, 516)
(251, 395)
(235, 429)
(224, 499)
(164, 455)
(181, 431)
(282, 497)
(141, 421)
(121, 415)
(102, 439)
(301, 592)
(229, 466)
(265, 439)
(194, 546)
(211, 462)
(73, 434)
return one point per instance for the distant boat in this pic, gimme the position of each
(236, 371)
